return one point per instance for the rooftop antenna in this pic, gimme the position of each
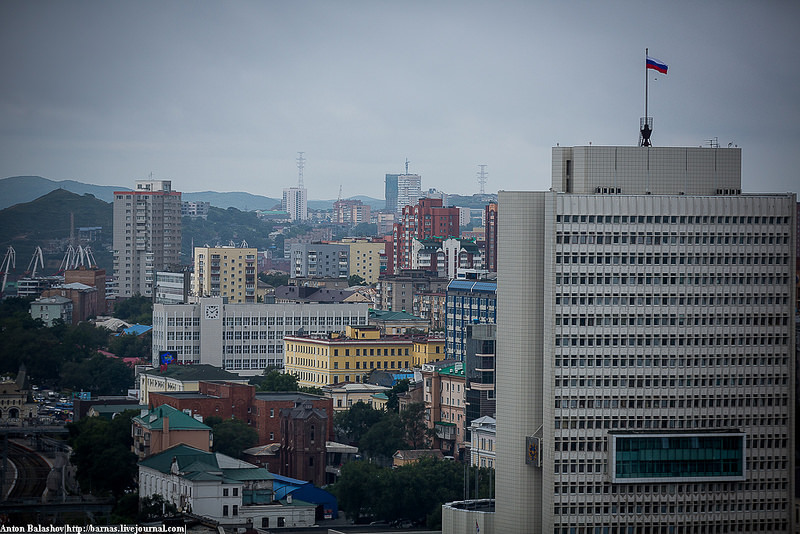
(482, 175)
(301, 161)
(407, 162)
(646, 122)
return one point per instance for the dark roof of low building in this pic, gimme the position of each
(383, 315)
(295, 396)
(195, 372)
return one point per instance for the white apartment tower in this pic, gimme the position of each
(295, 203)
(645, 347)
(147, 235)
(409, 190)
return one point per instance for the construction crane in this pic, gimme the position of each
(9, 262)
(77, 257)
(36, 261)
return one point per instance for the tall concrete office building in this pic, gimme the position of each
(645, 347)
(147, 235)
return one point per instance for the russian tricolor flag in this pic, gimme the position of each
(653, 63)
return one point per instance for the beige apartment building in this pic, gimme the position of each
(227, 272)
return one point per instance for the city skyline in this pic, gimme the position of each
(209, 94)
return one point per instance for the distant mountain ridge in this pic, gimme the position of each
(20, 189)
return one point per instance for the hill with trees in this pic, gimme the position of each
(46, 222)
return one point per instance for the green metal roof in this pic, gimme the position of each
(178, 420)
(451, 370)
(185, 455)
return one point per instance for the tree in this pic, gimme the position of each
(356, 489)
(364, 229)
(275, 279)
(232, 436)
(356, 280)
(130, 346)
(275, 380)
(383, 438)
(414, 491)
(97, 445)
(100, 375)
(354, 422)
(136, 309)
(415, 429)
(400, 387)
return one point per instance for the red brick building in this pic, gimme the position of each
(90, 277)
(261, 410)
(490, 237)
(303, 443)
(427, 220)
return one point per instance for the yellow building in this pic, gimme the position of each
(365, 259)
(319, 360)
(225, 272)
(426, 350)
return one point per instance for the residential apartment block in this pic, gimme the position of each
(243, 338)
(147, 235)
(310, 260)
(228, 272)
(427, 219)
(645, 326)
(397, 292)
(445, 403)
(295, 203)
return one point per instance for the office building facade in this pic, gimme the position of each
(242, 338)
(147, 235)
(645, 347)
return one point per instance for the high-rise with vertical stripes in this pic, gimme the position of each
(645, 347)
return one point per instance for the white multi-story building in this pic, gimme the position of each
(147, 235)
(409, 190)
(645, 346)
(220, 488)
(295, 203)
(242, 338)
(483, 439)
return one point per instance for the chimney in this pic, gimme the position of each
(165, 433)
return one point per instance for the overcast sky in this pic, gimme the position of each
(222, 95)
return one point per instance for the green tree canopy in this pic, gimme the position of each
(232, 436)
(415, 491)
(101, 451)
(274, 380)
(356, 280)
(274, 279)
(99, 374)
(136, 309)
(383, 438)
(354, 422)
(415, 429)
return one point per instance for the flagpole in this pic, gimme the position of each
(646, 79)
